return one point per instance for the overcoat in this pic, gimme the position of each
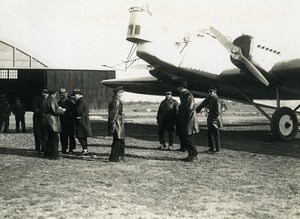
(187, 115)
(166, 114)
(116, 118)
(51, 114)
(82, 121)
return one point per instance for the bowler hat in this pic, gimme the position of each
(76, 91)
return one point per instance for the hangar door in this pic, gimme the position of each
(23, 83)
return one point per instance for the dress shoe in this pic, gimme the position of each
(85, 152)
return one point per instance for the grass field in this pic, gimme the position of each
(253, 177)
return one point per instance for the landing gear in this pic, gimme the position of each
(284, 124)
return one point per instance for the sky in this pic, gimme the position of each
(87, 34)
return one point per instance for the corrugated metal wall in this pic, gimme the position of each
(88, 81)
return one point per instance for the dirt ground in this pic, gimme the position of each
(253, 177)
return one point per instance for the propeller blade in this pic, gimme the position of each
(254, 70)
(233, 50)
(236, 53)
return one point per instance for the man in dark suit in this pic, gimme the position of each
(116, 126)
(67, 138)
(40, 136)
(214, 120)
(166, 119)
(18, 109)
(188, 121)
(82, 121)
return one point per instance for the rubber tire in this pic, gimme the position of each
(277, 130)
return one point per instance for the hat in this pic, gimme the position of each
(182, 84)
(52, 92)
(119, 89)
(76, 91)
(45, 91)
(62, 91)
(168, 93)
(212, 89)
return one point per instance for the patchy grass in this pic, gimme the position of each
(253, 177)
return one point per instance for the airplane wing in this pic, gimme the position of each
(142, 85)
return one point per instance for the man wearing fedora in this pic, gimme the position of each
(116, 125)
(67, 120)
(188, 122)
(214, 120)
(166, 119)
(82, 121)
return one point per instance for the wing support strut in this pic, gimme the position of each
(256, 106)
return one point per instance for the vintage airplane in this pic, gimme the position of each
(261, 71)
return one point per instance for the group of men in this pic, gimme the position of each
(70, 115)
(17, 109)
(63, 119)
(183, 117)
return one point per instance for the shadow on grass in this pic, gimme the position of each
(253, 141)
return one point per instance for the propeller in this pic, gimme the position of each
(237, 54)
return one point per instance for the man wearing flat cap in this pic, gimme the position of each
(187, 124)
(82, 121)
(116, 125)
(67, 120)
(214, 120)
(166, 119)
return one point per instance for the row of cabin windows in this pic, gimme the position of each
(8, 74)
(268, 49)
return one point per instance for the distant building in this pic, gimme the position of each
(24, 76)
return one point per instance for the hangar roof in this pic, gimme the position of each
(13, 57)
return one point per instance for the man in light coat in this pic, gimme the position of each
(116, 126)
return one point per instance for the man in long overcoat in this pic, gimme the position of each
(40, 136)
(67, 138)
(214, 120)
(51, 112)
(188, 121)
(116, 126)
(82, 121)
(166, 119)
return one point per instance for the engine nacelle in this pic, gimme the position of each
(261, 54)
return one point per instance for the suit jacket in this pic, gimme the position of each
(82, 121)
(187, 116)
(213, 104)
(166, 114)
(116, 118)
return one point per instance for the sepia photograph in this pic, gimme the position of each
(149, 109)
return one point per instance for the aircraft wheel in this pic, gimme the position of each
(284, 124)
